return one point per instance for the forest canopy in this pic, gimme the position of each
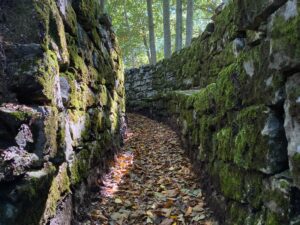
(170, 20)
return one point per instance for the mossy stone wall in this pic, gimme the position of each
(62, 106)
(234, 98)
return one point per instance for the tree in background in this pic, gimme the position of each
(178, 42)
(102, 6)
(189, 22)
(151, 33)
(133, 30)
(167, 31)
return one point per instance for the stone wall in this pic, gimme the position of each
(234, 95)
(62, 106)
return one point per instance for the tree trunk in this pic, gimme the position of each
(147, 48)
(125, 15)
(178, 25)
(189, 22)
(133, 58)
(102, 6)
(167, 31)
(151, 32)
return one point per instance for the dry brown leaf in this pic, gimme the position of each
(171, 193)
(156, 181)
(198, 208)
(167, 221)
(189, 211)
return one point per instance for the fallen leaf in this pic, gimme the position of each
(166, 212)
(198, 208)
(189, 211)
(118, 201)
(149, 181)
(171, 193)
(167, 221)
(97, 215)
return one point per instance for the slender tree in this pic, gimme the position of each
(189, 22)
(102, 6)
(133, 58)
(167, 30)
(146, 47)
(151, 32)
(178, 25)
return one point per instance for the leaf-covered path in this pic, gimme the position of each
(151, 181)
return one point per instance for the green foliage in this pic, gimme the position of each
(131, 24)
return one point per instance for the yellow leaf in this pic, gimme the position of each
(118, 201)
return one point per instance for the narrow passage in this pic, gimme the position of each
(151, 181)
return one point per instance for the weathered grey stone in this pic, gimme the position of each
(57, 57)
(24, 136)
(292, 125)
(241, 127)
(249, 68)
(277, 156)
(255, 13)
(284, 51)
(14, 163)
(64, 214)
(65, 90)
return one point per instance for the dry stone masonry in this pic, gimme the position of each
(234, 95)
(62, 106)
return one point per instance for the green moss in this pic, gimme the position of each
(75, 115)
(48, 72)
(43, 12)
(231, 182)
(59, 188)
(224, 23)
(227, 94)
(21, 115)
(77, 62)
(86, 134)
(280, 202)
(238, 184)
(286, 34)
(237, 214)
(250, 147)
(219, 61)
(80, 96)
(206, 126)
(106, 139)
(224, 144)
(57, 32)
(103, 96)
(80, 167)
(273, 219)
(96, 38)
(99, 121)
(114, 120)
(71, 20)
(88, 12)
(204, 101)
(51, 127)
(293, 95)
(295, 162)
(33, 192)
(96, 78)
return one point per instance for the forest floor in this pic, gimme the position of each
(151, 181)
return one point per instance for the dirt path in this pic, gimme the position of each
(151, 181)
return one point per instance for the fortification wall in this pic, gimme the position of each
(234, 95)
(62, 106)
